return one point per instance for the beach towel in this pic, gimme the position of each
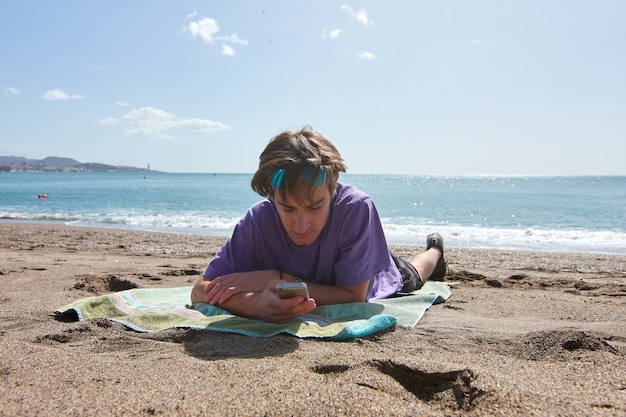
(155, 309)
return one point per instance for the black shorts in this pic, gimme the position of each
(411, 279)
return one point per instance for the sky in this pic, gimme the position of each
(415, 87)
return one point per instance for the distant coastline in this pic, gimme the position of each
(58, 164)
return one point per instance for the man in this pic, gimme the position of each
(310, 228)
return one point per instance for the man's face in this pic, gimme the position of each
(304, 218)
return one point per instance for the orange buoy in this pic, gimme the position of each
(42, 196)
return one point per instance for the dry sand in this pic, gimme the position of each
(523, 334)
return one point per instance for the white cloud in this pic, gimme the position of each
(204, 29)
(122, 103)
(233, 38)
(227, 50)
(109, 121)
(58, 94)
(148, 121)
(364, 55)
(358, 15)
(207, 30)
(331, 34)
(10, 91)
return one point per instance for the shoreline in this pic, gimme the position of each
(524, 333)
(218, 235)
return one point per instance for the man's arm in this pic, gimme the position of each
(264, 304)
(335, 294)
(267, 306)
(219, 290)
(253, 294)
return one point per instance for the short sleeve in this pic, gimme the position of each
(363, 252)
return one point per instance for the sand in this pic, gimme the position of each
(523, 334)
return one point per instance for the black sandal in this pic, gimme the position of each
(434, 240)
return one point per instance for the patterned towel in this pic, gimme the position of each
(154, 309)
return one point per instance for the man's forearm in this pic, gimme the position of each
(332, 294)
(241, 304)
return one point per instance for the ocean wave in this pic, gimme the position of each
(532, 239)
(401, 233)
(183, 223)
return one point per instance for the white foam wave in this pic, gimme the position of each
(456, 236)
(189, 222)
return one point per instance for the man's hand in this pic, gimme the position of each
(270, 307)
(219, 290)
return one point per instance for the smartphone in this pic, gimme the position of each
(291, 289)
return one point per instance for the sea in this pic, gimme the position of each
(585, 214)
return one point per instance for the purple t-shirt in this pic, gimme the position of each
(350, 250)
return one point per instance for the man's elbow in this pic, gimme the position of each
(352, 296)
(361, 298)
(198, 292)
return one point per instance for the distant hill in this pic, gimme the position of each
(58, 164)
